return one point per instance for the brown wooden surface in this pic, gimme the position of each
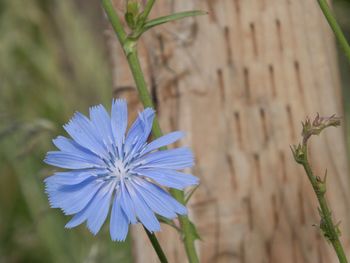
(239, 81)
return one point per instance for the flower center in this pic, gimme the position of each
(119, 170)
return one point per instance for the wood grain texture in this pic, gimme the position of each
(239, 81)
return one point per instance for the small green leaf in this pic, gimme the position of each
(173, 17)
(167, 221)
(189, 195)
(133, 8)
(194, 231)
(132, 13)
(129, 18)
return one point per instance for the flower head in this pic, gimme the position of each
(112, 168)
(318, 125)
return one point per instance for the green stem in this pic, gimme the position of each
(122, 37)
(335, 27)
(114, 19)
(156, 246)
(146, 99)
(328, 225)
(129, 47)
(147, 9)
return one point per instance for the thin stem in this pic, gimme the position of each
(122, 37)
(156, 246)
(114, 19)
(328, 226)
(146, 99)
(129, 47)
(335, 27)
(147, 9)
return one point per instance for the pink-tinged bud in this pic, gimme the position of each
(318, 125)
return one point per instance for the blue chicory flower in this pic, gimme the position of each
(108, 169)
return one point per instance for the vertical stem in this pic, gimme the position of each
(335, 27)
(146, 99)
(129, 47)
(122, 37)
(329, 227)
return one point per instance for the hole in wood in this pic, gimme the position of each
(221, 85)
(301, 206)
(228, 45)
(279, 34)
(282, 160)
(272, 81)
(275, 214)
(254, 40)
(246, 83)
(237, 6)
(257, 168)
(250, 214)
(290, 122)
(232, 171)
(264, 124)
(298, 78)
(238, 129)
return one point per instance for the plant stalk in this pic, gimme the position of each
(327, 224)
(335, 27)
(146, 99)
(129, 47)
(122, 37)
(157, 247)
(147, 10)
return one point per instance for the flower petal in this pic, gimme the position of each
(119, 223)
(143, 211)
(100, 208)
(69, 146)
(102, 122)
(170, 178)
(139, 131)
(127, 205)
(70, 178)
(165, 196)
(84, 133)
(163, 141)
(153, 200)
(176, 159)
(72, 161)
(119, 118)
(72, 198)
(100, 197)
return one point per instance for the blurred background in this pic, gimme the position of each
(54, 61)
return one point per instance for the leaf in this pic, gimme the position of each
(194, 231)
(173, 17)
(169, 222)
(189, 195)
(131, 16)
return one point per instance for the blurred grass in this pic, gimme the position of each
(52, 62)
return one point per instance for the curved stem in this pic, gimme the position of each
(129, 47)
(156, 246)
(335, 27)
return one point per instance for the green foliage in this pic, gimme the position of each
(52, 63)
(173, 17)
